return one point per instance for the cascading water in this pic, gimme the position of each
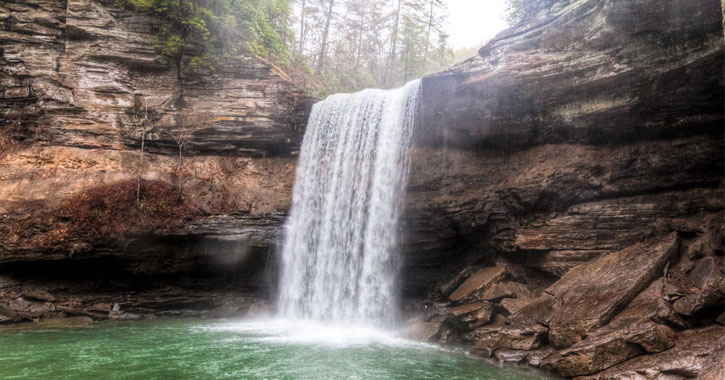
(339, 259)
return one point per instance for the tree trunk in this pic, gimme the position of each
(302, 29)
(323, 49)
(360, 35)
(393, 43)
(427, 38)
(179, 62)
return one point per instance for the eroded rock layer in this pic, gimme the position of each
(82, 87)
(588, 126)
(579, 158)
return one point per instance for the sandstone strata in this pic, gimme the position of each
(582, 150)
(78, 80)
(570, 136)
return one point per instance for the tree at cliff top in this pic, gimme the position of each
(207, 30)
(353, 44)
(340, 45)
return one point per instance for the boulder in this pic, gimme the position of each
(100, 307)
(649, 305)
(694, 353)
(479, 282)
(715, 371)
(469, 317)
(507, 289)
(601, 351)
(507, 356)
(535, 357)
(510, 306)
(117, 313)
(8, 315)
(453, 284)
(539, 309)
(422, 331)
(516, 337)
(38, 295)
(590, 295)
(707, 276)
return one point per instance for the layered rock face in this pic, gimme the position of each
(565, 206)
(570, 136)
(566, 199)
(81, 88)
(88, 63)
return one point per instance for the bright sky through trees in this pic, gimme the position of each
(473, 22)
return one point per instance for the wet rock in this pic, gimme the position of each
(513, 305)
(694, 352)
(31, 309)
(82, 312)
(714, 371)
(592, 294)
(507, 289)
(469, 317)
(122, 315)
(601, 351)
(8, 315)
(506, 356)
(64, 322)
(477, 283)
(516, 337)
(649, 305)
(117, 313)
(450, 286)
(39, 295)
(709, 281)
(539, 309)
(535, 357)
(422, 331)
(101, 307)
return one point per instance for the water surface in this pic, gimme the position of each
(217, 349)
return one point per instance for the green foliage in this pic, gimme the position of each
(207, 30)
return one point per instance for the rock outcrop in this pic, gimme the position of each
(588, 126)
(81, 89)
(79, 66)
(582, 152)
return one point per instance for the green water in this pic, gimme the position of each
(217, 349)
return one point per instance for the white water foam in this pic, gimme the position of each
(339, 258)
(314, 333)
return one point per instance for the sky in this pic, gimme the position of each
(473, 22)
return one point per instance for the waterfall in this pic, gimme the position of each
(339, 257)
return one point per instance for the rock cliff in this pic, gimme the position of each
(566, 198)
(565, 206)
(571, 135)
(82, 91)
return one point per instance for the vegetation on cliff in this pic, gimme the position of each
(217, 28)
(326, 45)
(100, 215)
